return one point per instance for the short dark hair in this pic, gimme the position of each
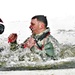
(41, 18)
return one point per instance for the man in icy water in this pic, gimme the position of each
(41, 41)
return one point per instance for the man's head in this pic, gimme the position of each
(38, 24)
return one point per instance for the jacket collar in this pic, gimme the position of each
(43, 34)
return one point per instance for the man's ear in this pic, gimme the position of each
(41, 26)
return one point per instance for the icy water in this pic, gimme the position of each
(14, 60)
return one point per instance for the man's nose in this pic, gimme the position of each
(30, 26)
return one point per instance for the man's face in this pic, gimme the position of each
(34, 26)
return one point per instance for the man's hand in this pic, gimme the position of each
(29, 43)
(12, 38)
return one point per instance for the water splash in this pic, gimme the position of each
(25, 58)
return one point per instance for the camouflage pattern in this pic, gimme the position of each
(13, 46)
(46, 46)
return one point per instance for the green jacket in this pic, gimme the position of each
(46, 44)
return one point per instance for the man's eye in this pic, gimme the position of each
(32, 24)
